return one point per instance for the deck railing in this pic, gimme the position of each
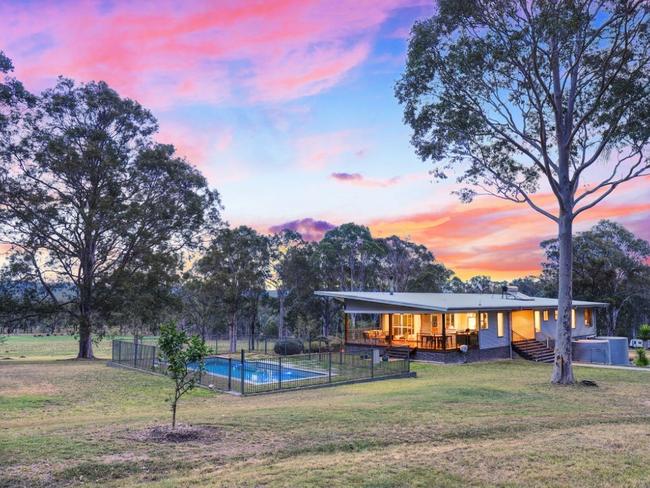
(433, 342)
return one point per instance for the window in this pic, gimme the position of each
(588, 322)
(471, 321)
(556, 315)
(500, 329)
(484, 320)
(573, 318)
(434, 321)
(538, 321)
(449, 320)
(546, 314)
(402, 324)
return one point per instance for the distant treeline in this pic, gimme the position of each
(245, 283)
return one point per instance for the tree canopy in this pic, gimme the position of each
(88, 198)
(542, 102)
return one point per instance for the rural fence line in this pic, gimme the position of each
(260, 373)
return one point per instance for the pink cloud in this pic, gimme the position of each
(309, 229)
(164, 52)
(359, 180)
(195, 145)
(317, 151)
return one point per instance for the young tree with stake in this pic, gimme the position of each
(184, 359)
(522, 96)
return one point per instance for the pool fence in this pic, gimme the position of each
(251, 373)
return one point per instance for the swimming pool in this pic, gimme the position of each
(258, 372)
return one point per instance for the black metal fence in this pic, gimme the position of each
(261, 373)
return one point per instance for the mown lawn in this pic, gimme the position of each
(72, 423)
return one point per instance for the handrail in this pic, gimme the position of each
(521, 338)
(547, 339)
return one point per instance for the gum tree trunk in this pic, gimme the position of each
(281, 332)
(563, 369)
(233, 333)
(85, 340)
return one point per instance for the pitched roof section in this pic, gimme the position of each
(444, 302)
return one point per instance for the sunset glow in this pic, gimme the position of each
(287, 107)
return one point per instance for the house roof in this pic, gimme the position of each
(446, 302)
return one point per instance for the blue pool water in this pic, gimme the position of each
(257, 372)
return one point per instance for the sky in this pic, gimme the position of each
(288, 108)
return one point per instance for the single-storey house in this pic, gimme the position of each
(436, 326)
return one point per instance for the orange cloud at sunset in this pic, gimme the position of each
(498, 238)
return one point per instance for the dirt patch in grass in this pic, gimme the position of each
(182, 433)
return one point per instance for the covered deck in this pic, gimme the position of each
(428, 331)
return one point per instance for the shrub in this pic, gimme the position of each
(325, 344)
(641, 358)
(644, 332)
(287, 347)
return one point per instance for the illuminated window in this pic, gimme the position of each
(484, 320)
(588, 322)
(556, 314)
(449, 320)
(500, 331)
(573, 318)
(434, 321)
(402, 325)
(471, 321)
(546, 314)
(538, 321)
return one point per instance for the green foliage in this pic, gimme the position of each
(184, 359)
(510, 94)
(609, 265)
(92, 199)
(288, 347)
(325, 344)
(641, 358)
(644, 332)
(234, 270)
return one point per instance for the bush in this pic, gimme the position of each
(325, 344)
(641, 358)
(287, 347)
(644, 332)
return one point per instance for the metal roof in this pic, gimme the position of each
(445, 302)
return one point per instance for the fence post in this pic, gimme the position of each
(135, 354)
(119, 351)
(309, 343)
(408, 363)
(153, 358)
(265, 345)
(372, 364)
(242, 371)
(279, 372)
(229, 373)
(341, 355)
(329, 369)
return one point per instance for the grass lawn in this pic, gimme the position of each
(81, 423)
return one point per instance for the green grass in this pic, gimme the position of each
(70, 423)
(28, 347)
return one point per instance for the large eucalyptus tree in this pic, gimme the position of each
(541, 102)
(88, 199)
